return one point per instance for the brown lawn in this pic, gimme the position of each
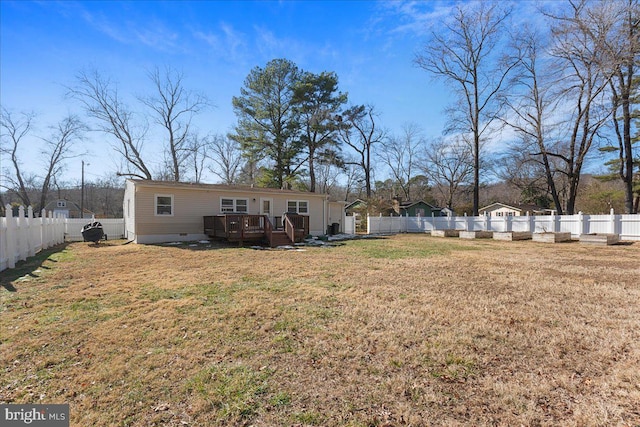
(406, 330)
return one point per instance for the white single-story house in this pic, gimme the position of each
(501, 209)
(165, 211)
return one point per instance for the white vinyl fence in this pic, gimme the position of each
(24, 236)
(627, 226)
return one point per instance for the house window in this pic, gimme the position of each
(62, 203)
(298, 206)
(164, 204)
(234, 205)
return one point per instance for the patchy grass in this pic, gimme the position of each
(406, 330)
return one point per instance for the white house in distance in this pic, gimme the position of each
(500, 209)
(164, 211)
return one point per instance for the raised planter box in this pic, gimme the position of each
(476, 234)
(512, 235)
(552, 237)
(600, 239)
(445, 233)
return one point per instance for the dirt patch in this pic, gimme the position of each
(405, 330)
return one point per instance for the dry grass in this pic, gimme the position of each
(406, 330)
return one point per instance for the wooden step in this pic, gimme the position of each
(279, 238)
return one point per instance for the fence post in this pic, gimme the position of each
(43, 236)
(405, 220)
(31, 241)
(23, 237)
(61, 224)
(612, 222)
(11, 236)
(580, 223)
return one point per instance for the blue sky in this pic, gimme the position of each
(369, 44)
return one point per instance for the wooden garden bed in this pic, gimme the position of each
(600, 239)
(552, 237)
(476, 234)
(445, 233)
(512, 235)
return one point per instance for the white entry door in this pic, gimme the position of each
(266, 208)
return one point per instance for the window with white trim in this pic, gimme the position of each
(228, 205)
(62, 203)
(298, 206)
(164, 204)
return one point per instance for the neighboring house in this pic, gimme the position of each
(63, 208)
(500, 209)
(160, 211)
(417, 208)
(355, 207)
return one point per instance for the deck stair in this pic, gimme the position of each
(279, 238)
(243, 228)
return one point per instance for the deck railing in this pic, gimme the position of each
(241, 227)
(296, 226)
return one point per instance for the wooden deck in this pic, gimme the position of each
(257, 228)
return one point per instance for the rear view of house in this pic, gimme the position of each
(159, 211)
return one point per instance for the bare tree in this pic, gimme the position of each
(525, 172)
(400, 154)
(354, 178)
(226, 156)
(532, 106)
(583, 89)
(58, 148)
(621, 48)
(465, 56)
(102, 102)
(449, 165)
(14, 130)
(359, 131)
(198, 155)
(174, 107)
(329, 167)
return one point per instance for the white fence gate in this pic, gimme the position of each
(350, 224)
(627, 226)
(23, 236)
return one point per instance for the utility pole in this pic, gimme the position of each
(82, 193)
